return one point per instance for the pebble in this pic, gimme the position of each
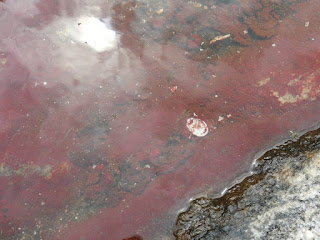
(231, 209)
(226, 228)
(271, 181)
(238, 215)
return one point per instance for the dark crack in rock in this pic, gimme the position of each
(280, 201)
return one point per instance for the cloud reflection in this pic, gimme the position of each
(92, 31)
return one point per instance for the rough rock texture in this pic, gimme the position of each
(280, 201)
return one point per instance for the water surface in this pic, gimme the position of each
(95, 97)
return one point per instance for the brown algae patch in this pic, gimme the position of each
(264, 81)
(25, 170)
(286, 98)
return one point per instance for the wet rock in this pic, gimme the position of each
(281, 203)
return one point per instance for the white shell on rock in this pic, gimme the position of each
(197, 127)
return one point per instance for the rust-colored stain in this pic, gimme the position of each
(94, 102)
(136, 237)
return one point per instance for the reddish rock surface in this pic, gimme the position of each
(94, 143)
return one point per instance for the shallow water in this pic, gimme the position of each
(95, 98)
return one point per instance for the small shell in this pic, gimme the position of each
(197, 127)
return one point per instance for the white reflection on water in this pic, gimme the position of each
(91, 31)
